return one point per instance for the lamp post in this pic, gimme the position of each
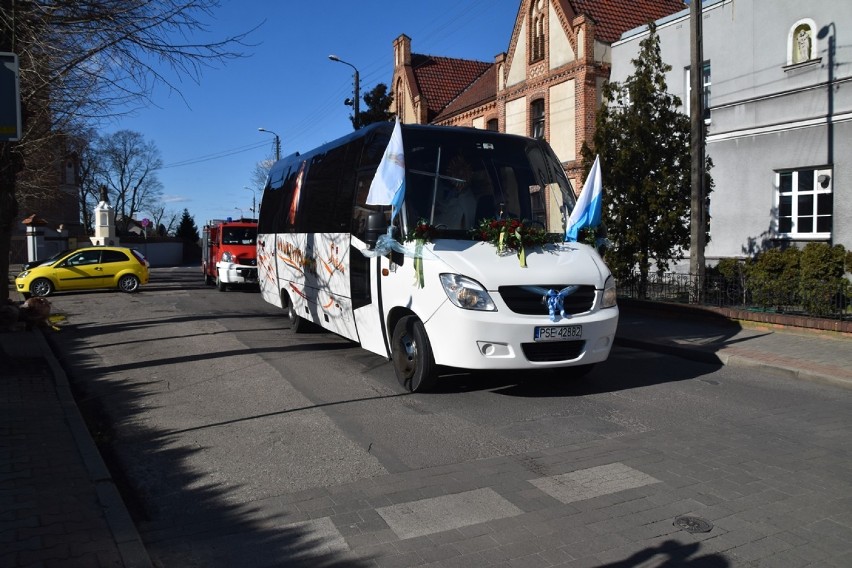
(253, 200)
(355, 101)
(240, 210)
(277, 142)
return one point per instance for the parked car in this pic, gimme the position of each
(45, 260)
(86, 269)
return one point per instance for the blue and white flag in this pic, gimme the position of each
(587, 211)
(388, 185)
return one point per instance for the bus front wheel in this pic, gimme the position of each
(411, 353)
(298, 324)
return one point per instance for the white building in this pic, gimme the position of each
(778, 93)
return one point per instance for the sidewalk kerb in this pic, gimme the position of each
(728, 360)
(124, 532)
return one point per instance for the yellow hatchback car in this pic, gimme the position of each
(86, 269)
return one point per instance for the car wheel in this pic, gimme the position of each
(411, 353)
(41, 287)
(219, 284)
(128, 283)
(298, 324)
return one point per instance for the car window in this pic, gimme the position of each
(113, 256)
(84, 257)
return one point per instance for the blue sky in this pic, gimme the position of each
(208, 135)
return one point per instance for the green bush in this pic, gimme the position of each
(773, 277)
(823, 286)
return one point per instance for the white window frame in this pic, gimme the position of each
(707, 82)
(795, 192)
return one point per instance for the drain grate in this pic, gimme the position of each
(693, 524)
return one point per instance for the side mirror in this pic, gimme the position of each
(376, 227)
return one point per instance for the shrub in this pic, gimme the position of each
(773, 277)
(822, 285)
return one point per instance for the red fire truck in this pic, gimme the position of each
(229, 252)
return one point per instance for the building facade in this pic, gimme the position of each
(547, 83)
(778, 113)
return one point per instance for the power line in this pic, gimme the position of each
(221, 154)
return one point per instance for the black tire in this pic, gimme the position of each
(411, 354)
(219, 284)
(298, 324)
(128, 283)
(41, 288)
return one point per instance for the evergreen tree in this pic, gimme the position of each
(643, 141)
(187, 230)
(378, 102)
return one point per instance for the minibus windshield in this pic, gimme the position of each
(455, 181)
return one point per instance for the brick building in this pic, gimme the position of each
(547, 83)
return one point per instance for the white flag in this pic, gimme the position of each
(587, 211)
(388, 185)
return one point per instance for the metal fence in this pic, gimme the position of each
(829, 300)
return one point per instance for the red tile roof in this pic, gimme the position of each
(483, 90)
(614, 17)
(442, 79)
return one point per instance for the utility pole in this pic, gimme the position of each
(698, 224)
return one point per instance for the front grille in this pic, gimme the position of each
(553, 350)
(527, 299)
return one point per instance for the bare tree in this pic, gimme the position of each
(86, 60)
(128, 166)
(87, 181)
(163, 220)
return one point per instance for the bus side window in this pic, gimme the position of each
(361, 210)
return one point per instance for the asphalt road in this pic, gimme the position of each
(239, 443)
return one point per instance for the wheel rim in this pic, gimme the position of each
(128, 283)
(40, 288)
(405, 358)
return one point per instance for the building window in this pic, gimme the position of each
(537, 31)
(801, 42)
(804, 202)
(706, 85)
(492, 125)
(537, 115)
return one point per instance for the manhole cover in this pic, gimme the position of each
(693, 524)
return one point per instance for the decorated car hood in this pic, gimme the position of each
(556, 264)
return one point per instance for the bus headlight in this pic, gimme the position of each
(467, 293)
(608, 299)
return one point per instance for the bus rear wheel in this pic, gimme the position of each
(411, 353)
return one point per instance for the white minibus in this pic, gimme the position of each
(470, 271)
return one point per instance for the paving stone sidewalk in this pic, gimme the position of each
(58, 504)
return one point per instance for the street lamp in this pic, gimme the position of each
(240, 210)
(253, 200)
(355, 103)
(277, 142)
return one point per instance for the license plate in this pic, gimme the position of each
(558, 332)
